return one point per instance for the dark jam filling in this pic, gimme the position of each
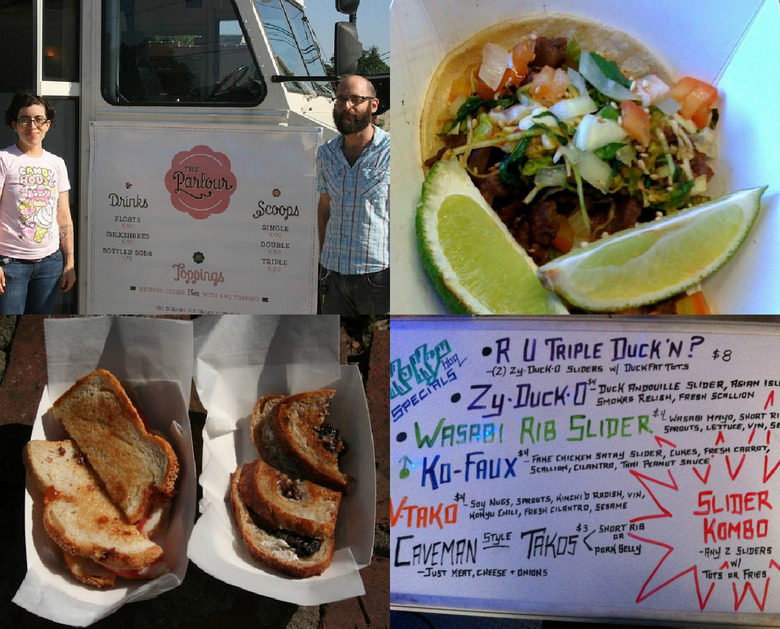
(302, 545)
(329, 437)
(288, 488)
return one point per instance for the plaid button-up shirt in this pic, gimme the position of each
(357, 237)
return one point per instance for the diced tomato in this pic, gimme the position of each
(635, 121)
(693, 304)
(522, 56)
(549, 84)
(482, 90)
(564, 237)
(702, 117)
(696, 99)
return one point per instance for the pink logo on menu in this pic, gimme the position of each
(200, 182)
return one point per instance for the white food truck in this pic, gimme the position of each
(190, 129)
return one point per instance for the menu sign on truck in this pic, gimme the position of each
(202, 219)
(594, 468)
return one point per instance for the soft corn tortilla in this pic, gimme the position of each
(633, 57)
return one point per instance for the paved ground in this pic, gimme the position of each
(201, 601)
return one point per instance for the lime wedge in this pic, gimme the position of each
(653, 261)
(473, 261)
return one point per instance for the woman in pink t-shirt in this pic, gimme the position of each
(36, 229)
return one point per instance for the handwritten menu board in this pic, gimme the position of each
(619, 468)
(202, 219)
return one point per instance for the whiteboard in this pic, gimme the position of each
(621, 468)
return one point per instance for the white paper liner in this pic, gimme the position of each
(140, 351)
(297, 354)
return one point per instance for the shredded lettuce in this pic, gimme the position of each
(584, 127)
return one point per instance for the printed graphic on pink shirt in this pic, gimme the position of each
(37, 211)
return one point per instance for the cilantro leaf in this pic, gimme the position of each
(611, 70)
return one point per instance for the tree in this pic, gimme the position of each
(369, 64)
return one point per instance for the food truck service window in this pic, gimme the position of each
(177, 53)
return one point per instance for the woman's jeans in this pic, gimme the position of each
(30, 286)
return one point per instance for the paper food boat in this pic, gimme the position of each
(239, 359)
(154, 356)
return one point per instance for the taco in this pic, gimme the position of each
(571, 130)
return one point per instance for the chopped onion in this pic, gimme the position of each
(650, 89)
(511, 115)
(626, 154)
(608, 87)
(592, 169)
(699, 185)
(538, 117)
(571, 153)
(551, 177)
(573, 107)
(706, 141)
(494, 65)
(576, 81)
(669, 106)
(594, 132)
(595, 171)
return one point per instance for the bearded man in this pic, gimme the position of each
(353, 213)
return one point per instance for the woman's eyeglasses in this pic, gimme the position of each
(26, 121)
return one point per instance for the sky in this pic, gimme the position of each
(373, 24)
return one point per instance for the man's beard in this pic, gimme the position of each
(351, 123)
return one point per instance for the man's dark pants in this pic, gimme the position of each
(354, 294)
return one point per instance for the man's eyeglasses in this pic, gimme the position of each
(26, 121)
(352, 100)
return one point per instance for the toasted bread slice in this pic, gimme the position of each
(92, 573)
(305, 435)
(89, 525)
(267, 445)
(88, 571)
(263, 438)
(79, 516)
(132, 395)
(57, 464)
(135, 467)
(278, 549)
(288, 503)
